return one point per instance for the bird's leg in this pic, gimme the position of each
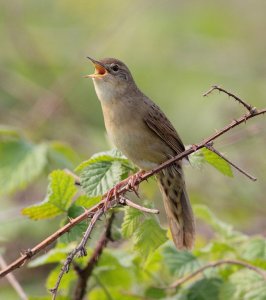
(131, 183)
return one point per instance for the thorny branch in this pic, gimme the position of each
(79, 250)
(85, 273)
(98, 209)
(211, 148)
(241, 101)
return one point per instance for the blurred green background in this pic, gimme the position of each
(176, 50)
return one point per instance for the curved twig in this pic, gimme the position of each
(216, 264)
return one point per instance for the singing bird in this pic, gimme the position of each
(142, 132)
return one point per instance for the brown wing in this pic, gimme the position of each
(158, 123)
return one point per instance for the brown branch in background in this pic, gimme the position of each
(184, 279)
(210, 147)
(13, 281)
(90, 212)
(85, 273)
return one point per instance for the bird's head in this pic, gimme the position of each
(111, 78)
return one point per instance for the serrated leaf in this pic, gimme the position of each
(107, 156)
(87, 202)
(218, 249)
(132, 219)
(225, 230)
(196, 159)
(97, 178)
(254, 250)
(217, 162)
(244, 285)
(179, 262)
(20, 163)
(111, 272)
(78, 230)
(61, 190)
(148, 237)
(205, 289)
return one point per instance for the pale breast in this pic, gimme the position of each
(131, 135)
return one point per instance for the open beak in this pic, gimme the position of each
(100, 69)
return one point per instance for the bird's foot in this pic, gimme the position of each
(130, 183)
(112, 193)
(133, 182)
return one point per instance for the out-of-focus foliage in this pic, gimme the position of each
(153, 263)
(175, 50)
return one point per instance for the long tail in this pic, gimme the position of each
(177, 206)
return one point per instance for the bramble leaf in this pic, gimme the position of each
(217, 162)
(205, 289)
(225, 230)
(110, 156)
(132, 219)
(244, 285)
(20, 163)
(60, 192)
(254, 250)
(97, 178)
(148, 237)
(205, 155)
(179, 262)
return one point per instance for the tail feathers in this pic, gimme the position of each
(177, 206)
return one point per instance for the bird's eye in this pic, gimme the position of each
(115, 68)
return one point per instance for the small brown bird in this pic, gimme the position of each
(141, 131)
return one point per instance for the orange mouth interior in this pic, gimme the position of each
(99, 70)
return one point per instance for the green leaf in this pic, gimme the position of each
(111, 273)
(254, 250)
(132, 220)
(244, 285)
(20, 163)
(205, 289)
(66, 281)
(62, 154)
(148, 237)
(61, 190)
(179, 262)
(87, 202)
(103, 293)
(225, 230)
(97, 178)
(78, 230)
(217, 162)
(218, 249)
(205, 155)
(107, 156)
(155, 293)
(54, 255)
